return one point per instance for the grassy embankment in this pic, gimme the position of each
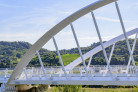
(68, 58)
(70, 88)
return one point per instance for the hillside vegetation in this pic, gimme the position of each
(67, 58)
(12, 52)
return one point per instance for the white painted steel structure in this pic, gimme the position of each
(71, 74)
(77, 76)
(53, 31)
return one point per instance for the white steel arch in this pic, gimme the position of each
(53, 31)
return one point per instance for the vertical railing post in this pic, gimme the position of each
(63, 68)
(41, 63)
(5, 72)
(126, 37)
(134, 44)
(75, 37)
(25, 74)
(80, 72)
(99, 35)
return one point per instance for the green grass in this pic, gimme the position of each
(111, 89)
(76, 88)
(66, 88)
(68, 58)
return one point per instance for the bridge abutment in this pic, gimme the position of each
(30, 88)
(22, 88)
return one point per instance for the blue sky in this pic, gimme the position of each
(28, 20)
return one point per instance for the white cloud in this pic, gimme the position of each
(97, 17)
(106, 19)
(35, 23)
(66, 33)
(16, 36)
(28, 27)
(66, 13)
(10, 35)
(10, 6)
(93, 38)
(31, 19)
(88, 38)
(32, 22)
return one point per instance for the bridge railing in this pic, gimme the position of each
(93, 71)
(5, 72)
(51, 70)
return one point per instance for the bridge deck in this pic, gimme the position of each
(84, 80)
(97, 75)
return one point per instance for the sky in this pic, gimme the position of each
(28, 20)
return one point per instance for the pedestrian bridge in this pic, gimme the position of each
(72, 74)
(97, 75)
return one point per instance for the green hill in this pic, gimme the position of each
(11, 53)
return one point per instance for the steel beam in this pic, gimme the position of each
(75, 37)
(111, 55)
(100, 38)
(89, 62)
(25, 73)
(126, 37)
(41, 63)
(134, 44)
(63, 68)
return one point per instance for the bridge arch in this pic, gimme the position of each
(56, 29)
